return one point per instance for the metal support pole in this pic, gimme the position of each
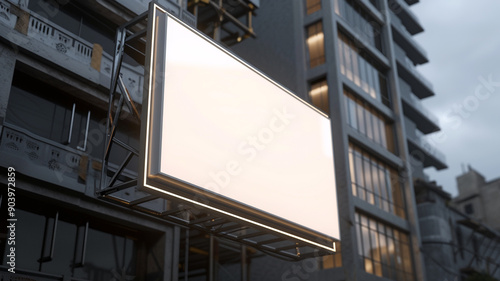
(186, 256)
(211, 263)
(218, 22)
(244, 263)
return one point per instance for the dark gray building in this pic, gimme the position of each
(354, 60)
(456, 246)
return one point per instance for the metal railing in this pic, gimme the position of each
(60, 39)
(419, 139)
(5, 15)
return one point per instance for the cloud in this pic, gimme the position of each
(462, 43)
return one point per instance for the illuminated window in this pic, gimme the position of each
(361, 71)
(319, 96)
(384, 251)
(369, 122)
(313, 6)
(332, 261)
(316, 44)
(375, 182)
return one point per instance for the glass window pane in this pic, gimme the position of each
(378, 95)
(336, 6)
(341, 57)
(29, 236)
(359, 175)
(355, 69)
(313, 6)
(361, 119)
(383, 139)
(369, 124)
(352, 114)
(376, 184)
(352, 172)
(366, 241)
(347, 58)
(374, 178)
(376, 128)
(61, 262)
(359, 238)
(362, 74)
(319, 96)
(368, 181)
(315, 43)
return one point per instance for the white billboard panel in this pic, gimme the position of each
(219, 126)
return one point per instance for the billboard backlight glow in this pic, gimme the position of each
(218, 127)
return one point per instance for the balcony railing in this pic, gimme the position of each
(409, 19)
(412, 75)
(409, 64)
(360, 23)
(418, 104)
(81, 50)
(405, 39)
(6, 17)
(60, 39)
(418, 138)
(77, 48)
(43, 159)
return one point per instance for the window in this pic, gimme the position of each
(63, 242)
(332, 261)
(375, 182)
(315, 44)
(79, 21)
(47, 112)
(361, 71)
(368, 121)
(469, 209)
(368, 29)
(53, 114)
(319, 95)
(384, 251)
(313, 6)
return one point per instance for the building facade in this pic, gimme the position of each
(354, 60)
(477, 198)
(456, 246)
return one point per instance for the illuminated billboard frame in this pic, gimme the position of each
(199, 100)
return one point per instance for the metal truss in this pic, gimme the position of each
(228, 21)
(119, 185)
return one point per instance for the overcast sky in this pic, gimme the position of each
(462, 40)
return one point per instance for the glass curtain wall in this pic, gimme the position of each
(383, 250)
(375, 182)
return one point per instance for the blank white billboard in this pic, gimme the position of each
(218, 125)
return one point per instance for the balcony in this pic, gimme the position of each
(58, 164)
(411, 2)
(422, 150)
(404, 39)
(140, 6)
(420, 86)
(406, 16)
(44, 159)
(58, 46)
(413, 108)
